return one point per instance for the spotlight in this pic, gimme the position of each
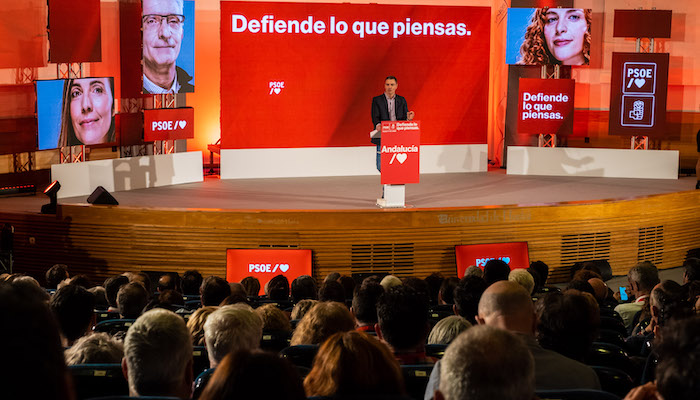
(51, 191)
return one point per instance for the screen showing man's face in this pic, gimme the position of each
(163, 24)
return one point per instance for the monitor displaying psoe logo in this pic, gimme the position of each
(168, 124)
(515, 254)
(265, 264)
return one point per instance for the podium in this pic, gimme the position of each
(400, 160)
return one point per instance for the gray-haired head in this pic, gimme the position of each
(231, 328)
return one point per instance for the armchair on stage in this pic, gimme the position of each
(400, 160)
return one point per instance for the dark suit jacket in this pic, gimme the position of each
(380, 111)
(183, 78)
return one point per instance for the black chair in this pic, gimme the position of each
(201, 382)
(301, 355)
(105, 315)
(611, 356)
(189, 297)
(416, 379)
(112, 326)
(610, 312)
(612, 337)
(200, 360)
(613, 324)
(94, 380)
(440, 311)
(193, 304)
(575, 394)
(275, 341)
(614, 381)
(435, 350)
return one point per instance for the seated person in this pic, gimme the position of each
(402, 315)
(321, 321)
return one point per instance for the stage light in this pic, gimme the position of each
(51, 191)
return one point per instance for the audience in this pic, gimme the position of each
(304, 287)
(691, 270)
(364, 305)
(278, 289)
(348, 285)
(390, 281)
(112, 286)
(229, 329)
(332, 291)
(301, 308)
(473, 367)
(273, 318)
(447, 329)
(447, 290)
(195, 324)
(402, 323)
(523, 278)
(251, 286)
(214, 290)
(191, 282)
(55, 275)
(473, 270)
(642, 278)
(169, 281)
(321, 321)
(132, 298)
(73, 307)
(95, 348)
(434, 282)
(496, 270)
(467, 295)
(354, 364)
(158, 356)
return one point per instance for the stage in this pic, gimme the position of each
(180, 227)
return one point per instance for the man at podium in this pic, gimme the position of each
(388, 106)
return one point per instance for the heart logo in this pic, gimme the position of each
(401, 157)
(183, 124)
(284, 267)
(277, 90)
(640, 82)
(506, 260)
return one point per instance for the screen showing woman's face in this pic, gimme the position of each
(564, 31)
(91, 109)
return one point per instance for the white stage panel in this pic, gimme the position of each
(607, 163)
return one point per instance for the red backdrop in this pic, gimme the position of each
(74, 31)
(290, 90)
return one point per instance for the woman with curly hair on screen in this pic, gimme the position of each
(557, 36)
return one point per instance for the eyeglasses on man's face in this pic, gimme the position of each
(153, 21)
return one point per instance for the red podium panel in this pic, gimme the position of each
(168, 124)
(400, 152)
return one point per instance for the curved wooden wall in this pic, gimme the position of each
(102, 240)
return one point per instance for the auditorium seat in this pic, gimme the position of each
(614, 381)
(94, 380)
(193, 304)
(416, 379)
(435, 350)
(610, 312)
(575, 394)
(105, 315)
(113, 326)
(613, 324)
(301, 355)
(611, 356)
(200, 360)
(612, 337)
(440, 311)
(275, 341)
(201, 382)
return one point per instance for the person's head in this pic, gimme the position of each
(348, 285)
(390, 281)
(691, 268)
(163, 28)
(447, 329)
(332, 291)
(558, 36)
(678, 349)
(74, 308)
(251, 285)
(321, 321)
(364, 303)
(131, 299)
(191, 282)
(273, 318)
(231, 328)
(419, 285)
(55, 275)
(467, 295)
(390, 86)
(496, 270)
(473, 367)
(112, 286)
(354, 364)
(600, 289)
(642, 278)
(100, 297)
(447, 290)
(304, 287)
(214, 290)
(581, 286)
(169, 281)
(523, 278)
(402, 318)
(668, 300)
(301, 308)
(96, 348)
(88, 112)
(195, 324)
(254, 375)
(567, 323)
(542, 270)
(142, 278)
(158, 356)
(434, 282)
(507, 305)
(474, 270)
(333, 276)
(278, 288)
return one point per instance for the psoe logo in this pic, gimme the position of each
(275, 87)
(480, 262)
(168, 125)
(267, 268)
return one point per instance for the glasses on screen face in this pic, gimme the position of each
(153, 21)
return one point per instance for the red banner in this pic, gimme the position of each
(266, 264)
(515, 254)
(23, 33)
(168, 124)
(638, 89)
(304, 74)
(74, 31)
(400, 152)
(546, 106)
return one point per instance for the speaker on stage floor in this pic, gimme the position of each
(102, 196)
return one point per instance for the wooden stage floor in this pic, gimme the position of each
(493, 188)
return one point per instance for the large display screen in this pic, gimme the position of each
(266, 264)
(168, 46)
(515, 254)
(78, 111)
(304, 74)
(548, 36)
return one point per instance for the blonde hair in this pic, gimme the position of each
(323, 320)
(195, 324)
(273, 318)
(534, 50)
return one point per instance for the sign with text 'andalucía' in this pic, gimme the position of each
(400, 152)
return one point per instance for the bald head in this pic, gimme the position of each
(507, 305)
